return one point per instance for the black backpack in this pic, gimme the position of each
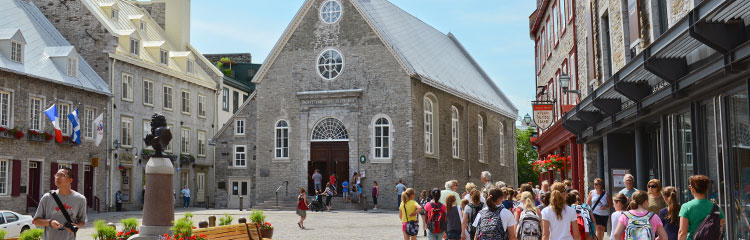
(710, 228)
(474, 212)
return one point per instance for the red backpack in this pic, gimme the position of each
(436, 218)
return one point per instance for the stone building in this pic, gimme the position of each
(363, 86)
(149, 69)
(39, 68)
(668, 98)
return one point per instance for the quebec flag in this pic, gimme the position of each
(73, 116)
(51, 113)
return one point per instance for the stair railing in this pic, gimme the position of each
(286, 185)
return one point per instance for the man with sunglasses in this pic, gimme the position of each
(629, 186)
(49, 215)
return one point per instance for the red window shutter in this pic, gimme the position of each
(75, 177)
(634, 22)
(52, 172)
(16, 189)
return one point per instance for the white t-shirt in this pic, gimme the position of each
(615, 221)
(505, 216)
(481, 198)
(559, 229)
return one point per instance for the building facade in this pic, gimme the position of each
(149, 69)
(39, 68)
(349, 88)
(236, 86)
(669, 98)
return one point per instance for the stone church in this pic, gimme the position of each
(363, 86)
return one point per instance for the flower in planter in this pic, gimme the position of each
(2, 129)
(266, 225)
(18, 135)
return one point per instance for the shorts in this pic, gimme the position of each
(328, 200)
(456, 234)
(301, 213)
(346, 194)
(375, 200)
(601, 220)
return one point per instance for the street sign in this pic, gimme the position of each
(543, 113)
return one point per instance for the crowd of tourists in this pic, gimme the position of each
(558, 212)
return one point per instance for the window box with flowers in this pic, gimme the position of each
(550, 163)
(11, 133)
(186, 159)
(38, 136)
(67, 140)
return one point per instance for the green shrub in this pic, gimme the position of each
(183, 226)
(129, 224)
(257, 216)
(32, 234)
(226, 220)
(2, 234)
(103, 231)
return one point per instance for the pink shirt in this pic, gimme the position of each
(655, 220)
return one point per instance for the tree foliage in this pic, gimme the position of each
(526, 154)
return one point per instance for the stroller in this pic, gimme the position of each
(317, 204)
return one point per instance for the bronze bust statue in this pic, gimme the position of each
(160, 134)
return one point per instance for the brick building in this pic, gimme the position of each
(150, 67)
(39, 68)
(363, 86)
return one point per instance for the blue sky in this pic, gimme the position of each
(495, 32)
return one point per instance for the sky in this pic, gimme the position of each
(494, 32)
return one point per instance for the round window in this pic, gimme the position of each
(330, 64)
(330, 11)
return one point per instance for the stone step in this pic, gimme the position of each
(291, 204)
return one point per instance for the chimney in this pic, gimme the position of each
(177, 23)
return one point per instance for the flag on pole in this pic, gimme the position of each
(76, 137)
(99, 124)
(51, 113)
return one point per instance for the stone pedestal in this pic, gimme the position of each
(158, 208)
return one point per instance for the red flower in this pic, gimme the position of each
(119, 234)
(193, 227)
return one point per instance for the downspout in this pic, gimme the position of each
(110, 158)
(468, 140)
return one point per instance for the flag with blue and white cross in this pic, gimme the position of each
(76, 137)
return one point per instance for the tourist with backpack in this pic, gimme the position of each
(470, 213)
(620, 202)
(495, 222)
(558, 218)
(529, 218)
(639, 223)
(600, 203)
(453, 218)
(700, 218)
(670, 215)
(585, 218)
(436, 222)
(407, 211)
(424, 199)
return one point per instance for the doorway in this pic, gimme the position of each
(35, 186)
(238, 188)
(200, 190)
(328, 157)
(88, 184)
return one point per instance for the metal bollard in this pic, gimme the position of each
(203, 224)
(207, 201)
(241, 202)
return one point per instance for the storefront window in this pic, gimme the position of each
(711, 147)
(685, 153)
(738, 120)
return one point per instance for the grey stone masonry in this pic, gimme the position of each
(226, 169)
(31, 152)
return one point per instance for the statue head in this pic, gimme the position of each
(160, 134)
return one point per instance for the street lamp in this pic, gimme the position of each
(527, 119)
(565, 84)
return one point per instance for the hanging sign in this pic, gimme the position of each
(543, 113)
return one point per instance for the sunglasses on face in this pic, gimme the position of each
(652, 186)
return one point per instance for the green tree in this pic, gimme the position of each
(525, 154)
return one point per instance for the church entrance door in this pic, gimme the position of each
(328, 157)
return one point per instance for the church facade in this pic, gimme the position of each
(363, 86)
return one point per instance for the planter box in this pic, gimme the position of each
(36, 138)
(5, 134)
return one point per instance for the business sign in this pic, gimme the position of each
(543, 114)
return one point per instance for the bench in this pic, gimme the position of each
(235, 231)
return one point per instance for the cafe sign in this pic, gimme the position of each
(543, 113)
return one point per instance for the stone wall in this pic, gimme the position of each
(677, 9)
(582, 35)
(591, 172)
(22, 88)
(619, 43)
(225, 142)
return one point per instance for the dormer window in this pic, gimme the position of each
(73, 67)
(114, 13)
(190, 64)
(134, 46)
(16, 51)
(163, 57)
(143, 26)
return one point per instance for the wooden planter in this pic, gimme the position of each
(266, 233)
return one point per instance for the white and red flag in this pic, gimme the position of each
(51, 113)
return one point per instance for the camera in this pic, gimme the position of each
(68, 225)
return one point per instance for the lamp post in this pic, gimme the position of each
(565, 84)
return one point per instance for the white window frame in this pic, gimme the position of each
(73, 67)
(185, 102)
(429, 125)
(167, 97)
(239, 157)
(88, 123)
(35, 113)
(126, 132)
(185, 140)
(330, 65)
(563, 14)
(134, 46)
(114, 14)
(480, 136)
(146, 131)
(16, 51)
(455, 131)
(163, 56)
(239, 127)
(279, 138)
(201, 106)
(63, 110)
(190, 66)
(202, 143)
(225, 99)
(384, 128)
(5, 182)
(148, 92)
(502, 143)
(168, 148)
(327, 6)
(143, 26)
(6, 109)
(127, 87)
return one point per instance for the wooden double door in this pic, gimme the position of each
(328, 157)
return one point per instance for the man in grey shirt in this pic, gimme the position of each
(317, 180)
(48, 214)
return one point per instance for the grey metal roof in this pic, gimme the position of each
(436, 58)
(43, 40)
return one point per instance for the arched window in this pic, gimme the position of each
(428, 126)
(382, 138)
(330, 11)
(454, 132)
(330, 129)
(502, 144)
(282, 139)
(480, 141)
(330, 64)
